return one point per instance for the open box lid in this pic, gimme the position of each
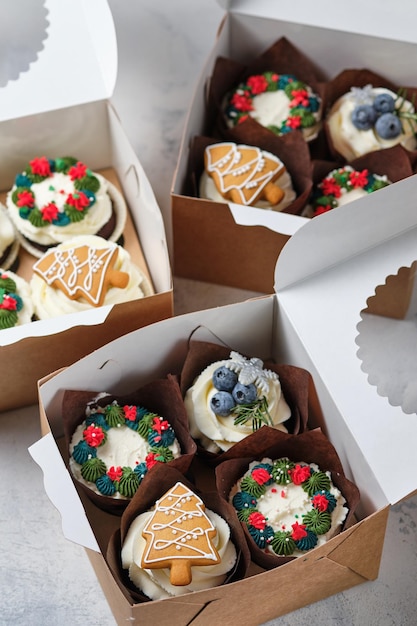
(376, 17)
(324, 276)
(73, 60)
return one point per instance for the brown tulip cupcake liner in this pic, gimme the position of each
(295, 388)
(157, 484)
(279, 63)
(279, 452)
(333, 181)
(290, 149)
(150, 425)
(360, 83)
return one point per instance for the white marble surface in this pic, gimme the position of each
(46, 580)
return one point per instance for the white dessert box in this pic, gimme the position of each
(324, 277)
(238, 246)
(57, 104)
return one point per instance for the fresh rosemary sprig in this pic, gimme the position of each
(255, 412)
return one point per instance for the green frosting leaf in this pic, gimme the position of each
(93, 469)
(280, 471)
(63, 164)
(250, 485)
(73, 213)
(8, 319)
(128, 483)
(144, 424)
(282, 543)
(318, 481)
(35, 218)
(90, 183)
(115, 415)
(162, 454)
(8, 284)
(317, 521)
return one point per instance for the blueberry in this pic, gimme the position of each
(222, 403)
(224, 379)
(363, 116)
(388, 126)
(384, 103)
(244, 394)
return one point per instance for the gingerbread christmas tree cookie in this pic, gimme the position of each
(244, 174)
(179, 535)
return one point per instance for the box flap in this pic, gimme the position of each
(283, 223)
(62, 493)
(76, 59)
(376, 18)
(324, 276)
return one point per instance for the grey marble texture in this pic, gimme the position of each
(46, 580)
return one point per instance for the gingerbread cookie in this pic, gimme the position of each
(87, 271)
(244, 174)
(178, 535)
(82, 271)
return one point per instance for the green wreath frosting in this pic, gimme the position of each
(77, 203)
(274, 476)
(124, 480)
(303, 104)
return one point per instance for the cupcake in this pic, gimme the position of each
(9, 245)
(53, 200)
(370, 118)
(280, 102)
(343, 185)
(231, 398)
(85, 272)
(175, 540)
(114, 442)
(289, 504)
(245, 175)
(16, 306)
(288, 507)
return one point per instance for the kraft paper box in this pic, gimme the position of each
(314, 321)
(69, 113)
(238, 246)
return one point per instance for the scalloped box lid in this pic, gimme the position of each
(324, 277)
(367, 18)
(77, 62)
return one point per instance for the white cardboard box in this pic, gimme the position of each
(238, 246)
(58, 104)
(324, 277)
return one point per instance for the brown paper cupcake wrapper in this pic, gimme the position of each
(342, 84)
(162, 397)
(156, 484)
(282, 57)
(295, 384)
(395, 163)
(291, 149)
(310, 447)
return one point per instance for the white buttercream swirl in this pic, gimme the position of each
(351, 142)
(217, 433)
(155, 583)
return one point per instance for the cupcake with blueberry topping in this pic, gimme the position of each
(229, 397)
(370, 117)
